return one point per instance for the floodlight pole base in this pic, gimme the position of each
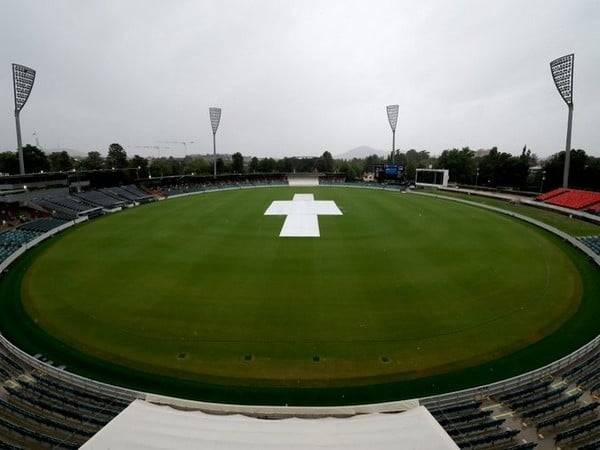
(214, 156)
(568, 149)
(19, 144)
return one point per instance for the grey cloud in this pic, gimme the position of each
(298, 77)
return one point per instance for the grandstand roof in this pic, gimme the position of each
(146, 425)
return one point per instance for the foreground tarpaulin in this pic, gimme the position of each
(144, 425)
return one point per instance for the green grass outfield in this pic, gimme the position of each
(402, 296)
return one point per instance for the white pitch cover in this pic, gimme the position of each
(302, 214)
(144, 425)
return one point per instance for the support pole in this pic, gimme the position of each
(393, 146)
(214, 156)
(19, 145)
(568, 149)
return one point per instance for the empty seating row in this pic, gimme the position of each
(577, 432)
(12, 239)
(37, 436)
(71, 401)
(42, 225)
(141, 195)
(101, 199)
(550, 194)
(592, 242)
(53, 423)
(551, 407)
(537, 398)
(446, 421)
(594, 445)
(569, 416)
(69, 205)
(461, 407)
(81, 394)
(488, 440)
(125, 195)
(477, 427)
(524, 390)
(571, 198)
(58, 408)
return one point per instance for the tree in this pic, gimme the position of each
(351, 169)
(140, 164)
(577, 174)
(195, 165)
(35, 159)
(237, 163)
(60, 161)
(220, 165)
(9, 163)
(93, 161)
(286, 165)
(371, 161)
(253, 167)
(325, 162)
(460, 163)
(267, 165)
(117, 157)
(411, 160)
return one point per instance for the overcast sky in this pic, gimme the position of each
(298, 77)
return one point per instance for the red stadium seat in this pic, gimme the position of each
(553, 193)
(575, 199)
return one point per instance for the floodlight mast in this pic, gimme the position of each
(23, 79)
(392, 113)
(215, 119)
(562, 74)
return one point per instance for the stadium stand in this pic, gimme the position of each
(12, 214)
(560, 409)
(67, 206)
(571, 198)
(39, 409)
(98, 198)
(592, 242)
(550, 194)
(11, 240)
(128, 194)
(179, 187)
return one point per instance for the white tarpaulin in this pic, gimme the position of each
(144, 425)
(302, 214)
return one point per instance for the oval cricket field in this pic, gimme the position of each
(398, 296)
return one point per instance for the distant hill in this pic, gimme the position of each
(360, 152)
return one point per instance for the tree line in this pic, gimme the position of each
(493, 168)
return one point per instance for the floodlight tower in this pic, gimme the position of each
(23, 78)
(562, 73)
(392, 113)
(215, 118)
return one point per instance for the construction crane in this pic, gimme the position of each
(153, 147)
(184, 143)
